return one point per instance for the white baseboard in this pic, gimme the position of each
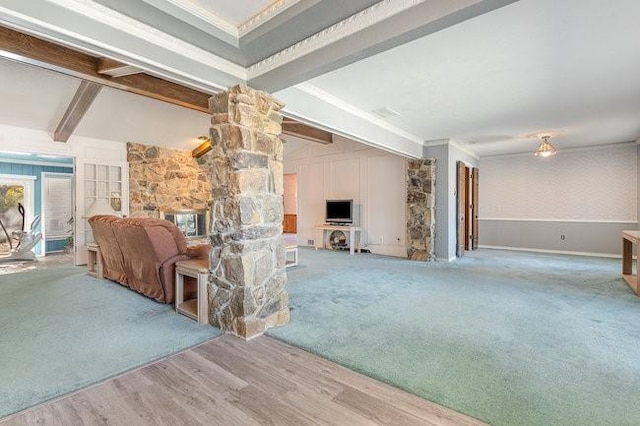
(574, 253)
(396, 251)
(444, 259)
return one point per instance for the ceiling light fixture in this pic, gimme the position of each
(545, 149)
(385, 112)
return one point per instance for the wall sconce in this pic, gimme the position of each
(203, 148)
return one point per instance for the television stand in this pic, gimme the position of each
(324, 231)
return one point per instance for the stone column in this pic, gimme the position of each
(247, 287)
(421, 181)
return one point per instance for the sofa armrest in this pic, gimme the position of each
(201, 250)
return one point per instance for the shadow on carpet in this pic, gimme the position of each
(508, 338)
(61, 330)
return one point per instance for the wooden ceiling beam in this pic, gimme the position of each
(115, 69)
(304, 131)
(34, 51)
(24, 48)
(78, 107)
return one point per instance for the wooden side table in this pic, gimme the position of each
(293, 251)
(94, 261)
(198, 308)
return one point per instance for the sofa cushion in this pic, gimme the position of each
(112, 258)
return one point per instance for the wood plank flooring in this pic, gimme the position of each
(228, 381)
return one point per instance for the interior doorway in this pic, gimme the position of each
(467, 208)
(36, 211)
(290, 200)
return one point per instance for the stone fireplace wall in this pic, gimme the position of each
(164, 179)
(421, 184)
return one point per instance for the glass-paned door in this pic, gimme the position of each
(97, 182)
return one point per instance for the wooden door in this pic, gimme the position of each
(475, 178)
(461, 207)
(467, 208)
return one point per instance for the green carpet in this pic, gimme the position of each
(509, 338)
(61, 330)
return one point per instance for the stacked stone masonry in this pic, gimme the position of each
(247, 291)
(421, 181)
(163, 179)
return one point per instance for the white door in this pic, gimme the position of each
(95, 181)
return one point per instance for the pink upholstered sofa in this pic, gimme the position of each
(141, 253)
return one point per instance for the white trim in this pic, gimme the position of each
(435, 142)
(561, 150)
(340, 132)
(388, 250)
(574, 253)
(18, 177)
(36, 163)
(496, 219)
(444, 259)
(121, 22)
(316, 92)
(262, 17)
(463, 149)
(203, 14)
(439, 142)
(349, 26)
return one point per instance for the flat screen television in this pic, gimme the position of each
(339, 211)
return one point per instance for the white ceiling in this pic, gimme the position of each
(33, 98)
(567, 67)
(123, 116)
(37, 99)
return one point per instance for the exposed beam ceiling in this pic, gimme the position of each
(31, 50)
(78, 107)
(44, 54)
(34, 51)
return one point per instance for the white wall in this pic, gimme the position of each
(374, 179)
(587, 195)
(447, 155)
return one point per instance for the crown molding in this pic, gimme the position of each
(347, 27)
(464, 149)
(435, 142)
(264, 15)
(202, 14)
(121, 22)
(345, 106)
(613, 145)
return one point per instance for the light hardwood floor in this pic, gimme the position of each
(228, 381)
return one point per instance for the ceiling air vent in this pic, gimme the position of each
(385, 112)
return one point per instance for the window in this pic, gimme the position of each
(57, 199)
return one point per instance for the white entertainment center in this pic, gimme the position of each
(324, 232)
